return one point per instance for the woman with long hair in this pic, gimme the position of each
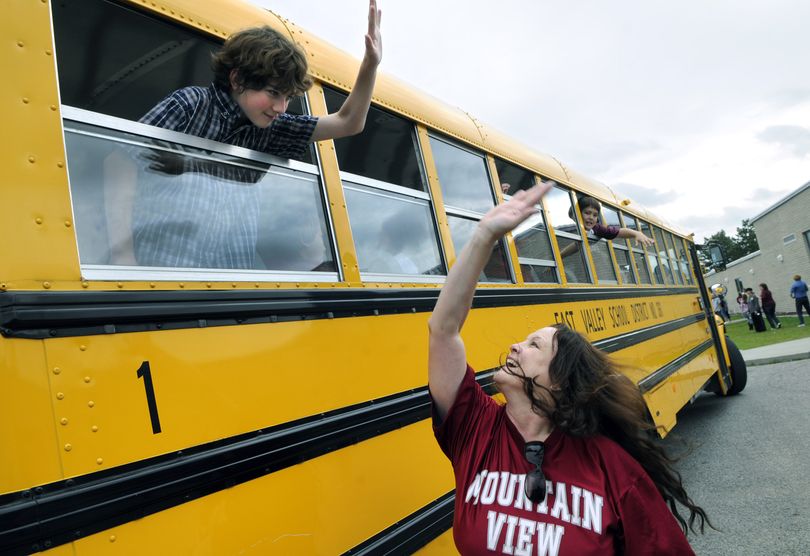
(769, 306)
(570, 464)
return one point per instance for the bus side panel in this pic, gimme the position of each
(440, 546)
(326, 505)
(34, 197)
(27, 426)
(218, 382)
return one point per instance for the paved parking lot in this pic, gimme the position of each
(749, 464)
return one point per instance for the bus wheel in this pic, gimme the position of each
(738, 371)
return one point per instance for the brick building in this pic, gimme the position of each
(783, 234)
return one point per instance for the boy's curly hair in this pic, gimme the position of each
(262, 56)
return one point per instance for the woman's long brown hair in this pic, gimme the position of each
(590, 396)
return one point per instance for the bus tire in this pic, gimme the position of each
(737, 369)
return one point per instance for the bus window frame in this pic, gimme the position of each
(622, 244)
(562, 233)
(351, 181)
(147, 273)
(459, 212)
(638, 248)
(673, 257)
(608, 243)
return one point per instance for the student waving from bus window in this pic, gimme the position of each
(197, 215)
(256, 73)
(568, 464)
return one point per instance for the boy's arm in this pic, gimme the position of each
(351, 118)
(640, 238)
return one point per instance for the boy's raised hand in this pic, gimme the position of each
(641, 239)
(373, 38)
(506, 216)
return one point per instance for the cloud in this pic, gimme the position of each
(793, 138)
(646, 196)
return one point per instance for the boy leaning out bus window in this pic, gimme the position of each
(256, 73)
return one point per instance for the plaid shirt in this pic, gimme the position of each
(191, 213)
(211, 113)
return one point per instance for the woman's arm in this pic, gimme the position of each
(447, 356)
(350, 119)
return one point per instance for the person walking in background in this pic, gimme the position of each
(742, 301)
(769, 306)
(755, 310)
(798, 291)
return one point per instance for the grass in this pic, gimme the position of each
(747, 339)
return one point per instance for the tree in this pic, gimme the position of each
(746, 238)
(725, 243)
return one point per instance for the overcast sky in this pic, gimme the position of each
(699, 110)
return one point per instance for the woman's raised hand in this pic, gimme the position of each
(505, 217)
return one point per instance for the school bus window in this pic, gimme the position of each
(120, 62)
(673, 259)
(662, 254)
(393, 233)
(637, 250)
(620, 247)
(686, 267)
(534, 249)
(496, 269)
(161, 204)
(600, 253)
(386, 150)
(515, 176)
(652, 257)
(463, 177)
(467, 192)
(563, 219)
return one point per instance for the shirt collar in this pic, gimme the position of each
(227, 105)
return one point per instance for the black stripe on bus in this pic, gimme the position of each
(413, 532)
(654, 379)
(616, 343)
(41, 315)
(63, 511)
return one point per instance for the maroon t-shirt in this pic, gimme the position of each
(600, 500)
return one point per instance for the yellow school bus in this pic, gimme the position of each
(273, 402)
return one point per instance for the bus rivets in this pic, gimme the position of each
(56, 370)
(91, 403)
(38, 220)
(68, 223)
(60, 396)
(120, 284)
(85, 284)
(53, 107)
(112, 538)
(31, 159)
(94, 428)
(20, 44)
(46, 285)
(60, 164)
(68, 447)
(47, 53)
(25, 100)
(99, 461)
(208, 285)
(87, 379)
(182, 285)
(63, 421)
(83, 347)
(151, 284)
